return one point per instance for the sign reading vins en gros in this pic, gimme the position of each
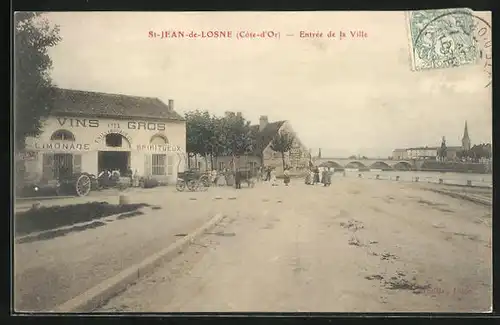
(95, 123)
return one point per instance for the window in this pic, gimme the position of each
(221, 165)
(199, 165)
(159, 163)
(114, 140)
(62, 135)
(159, 139)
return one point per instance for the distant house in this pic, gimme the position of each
(398, 154)
(422, 153)
(263, 155)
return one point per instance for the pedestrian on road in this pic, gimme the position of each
(213, 177)
(268, 174)
(237, 179)
(323, 177)
(272, 177)
(327, 177)
(286, 176)
(316, 175)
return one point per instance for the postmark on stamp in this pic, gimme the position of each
(448, 38)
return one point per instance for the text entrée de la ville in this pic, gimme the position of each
(264, 34)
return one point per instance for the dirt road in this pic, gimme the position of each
(63, 264)
(358, 246)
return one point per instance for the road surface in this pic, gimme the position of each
(51, 271)
(358, 246)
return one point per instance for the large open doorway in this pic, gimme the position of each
(113, 160)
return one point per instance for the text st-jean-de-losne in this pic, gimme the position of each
(228, 34)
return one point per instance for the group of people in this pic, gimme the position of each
(313, 178)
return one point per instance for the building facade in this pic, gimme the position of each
(297, 158)
(400, 154)
(420, 153)
(90, 132)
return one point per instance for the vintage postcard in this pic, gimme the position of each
(253, 161)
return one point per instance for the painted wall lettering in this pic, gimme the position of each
(63, 146)
(151, 126)
(102, 135)
(158, 147)
(74, 122)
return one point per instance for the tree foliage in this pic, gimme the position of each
(282, 143)
(477, 152)
(33, 99)
(216, 136)
(442, 151)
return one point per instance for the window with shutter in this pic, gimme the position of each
(170, 165)
(77, 163)
(48, 166)
(147, 164)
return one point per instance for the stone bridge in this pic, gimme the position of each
(373, 163)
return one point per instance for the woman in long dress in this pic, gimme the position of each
(308, 180)
(316, 175)
(324, 177)
(273, 177)
(328, 177)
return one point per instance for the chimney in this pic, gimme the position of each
(171, 104)
(239, 114)
(262, 122)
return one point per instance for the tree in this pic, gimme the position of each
(364, 157)
(198, 133)
(282, 142)
(442, 151)
(33, 97)
(239, 140)
(352, 157)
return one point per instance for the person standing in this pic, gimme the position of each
(323, 177)
(316, 176)
(272, 177)
(268, 174)
(237, 179)
(329, 174)
(286, 176)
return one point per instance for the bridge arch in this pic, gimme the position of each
(380, 165)
(355, 164)
(402, 165)
(331, 164)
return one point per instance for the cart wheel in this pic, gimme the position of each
(180, 186)
(192, 185)
(83, 185)
(205, 181)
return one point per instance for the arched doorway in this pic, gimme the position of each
(115, 154)
(57, 165)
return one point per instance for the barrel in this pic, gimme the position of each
(124, 199)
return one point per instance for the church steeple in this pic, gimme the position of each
(466, 139)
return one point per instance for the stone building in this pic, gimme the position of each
(91, 131)
(298, 158)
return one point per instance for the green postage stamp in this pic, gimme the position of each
(442, 38)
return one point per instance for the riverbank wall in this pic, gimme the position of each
(436, 166)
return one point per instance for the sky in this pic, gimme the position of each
(350, 96)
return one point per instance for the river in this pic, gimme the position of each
(432, 177)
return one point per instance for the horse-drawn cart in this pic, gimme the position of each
(79, 184)
(193, 180)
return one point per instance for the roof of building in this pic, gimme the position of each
(264, 137)
(88, 103)
(423, 148)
